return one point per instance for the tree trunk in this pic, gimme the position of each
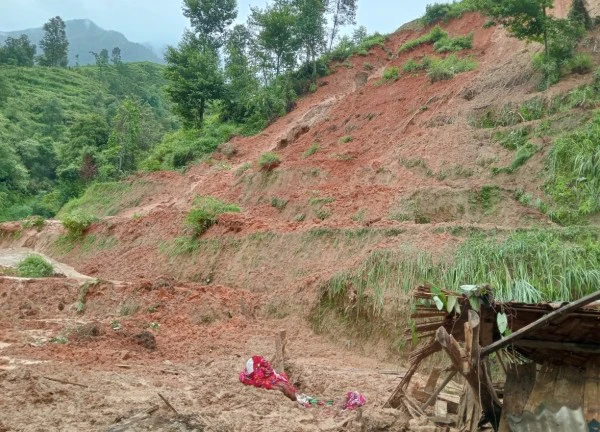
(546, 48)
(335, 24)
(201, 112)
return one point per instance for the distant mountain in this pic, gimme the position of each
(85, 36)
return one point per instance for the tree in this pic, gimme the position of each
(13, 175)
(210, 19)
(359, 35)
(194, 79)
(241, 83)
(116, 56)
(525, 19)
(344, 13)
(18, 52)
(578, 13)
(310, 29)
(102, 58)
(55, 44)
(275, 41)
(132, 135)
(39, 157)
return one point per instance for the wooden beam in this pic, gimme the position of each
(442, 386)
(540, 323)
(559, 346)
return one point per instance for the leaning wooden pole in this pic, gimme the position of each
(468, 363)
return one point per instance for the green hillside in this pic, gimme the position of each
(60, 129)
(85, 36)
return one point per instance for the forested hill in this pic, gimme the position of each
(59, 128)
(85, 37)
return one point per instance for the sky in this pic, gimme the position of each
(161, 22)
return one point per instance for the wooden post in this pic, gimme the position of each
(475, 372)
(280, 342)
(435, 394)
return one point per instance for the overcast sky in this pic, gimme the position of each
(162, 22)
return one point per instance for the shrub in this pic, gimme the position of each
(279, 203)
(580, 64)
(433, 36)
(346, 139)
(411, 66)
(77, 222)
(446, 68)
(314, 147)
(36, 222)
(269, 161)
(205, 213)
(391, 73)
(454, 44)
(34, 266)
(446, 11)
(368, 66)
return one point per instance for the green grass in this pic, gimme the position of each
(77, 222)
(205, 213)
(34, 266)
(110, 198)
(346, 139)
(528, 266)
(314, 147)
(279, 203)
(437, 12)
(269, 161)
(458, 43)
(433, 36)
(391, 73)
(446, 68)
(574, 174)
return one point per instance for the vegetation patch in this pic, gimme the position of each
(34, 266)
(574, 174)
(433, 36)
(205, 214)
(77, 222)
(448, 67)
(528, 266)
(391, 73)
(314, 147)
(110, 198)
(269, 161)
(279, 203)
(437, 12)
(458, 43)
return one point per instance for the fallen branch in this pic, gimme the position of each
(126, 425)
(65, 382)
(168, 404)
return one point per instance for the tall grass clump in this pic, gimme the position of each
(433, 36)
(446, 68)
(437, 12)
(458, 43)
(205, 213)
(391, 73)
(530, 266)
(34, 266)
(269, 161)
(574, 174)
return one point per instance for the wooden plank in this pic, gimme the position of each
(560, 346)
(436, 392)
(440, 409)
(540, 323)
(568, 388)
(591, 403)
(280, 342)
(432, 380)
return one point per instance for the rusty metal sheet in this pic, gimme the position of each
(548, 420)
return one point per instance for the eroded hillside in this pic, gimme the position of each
(381, 184)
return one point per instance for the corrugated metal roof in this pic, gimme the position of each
(547, 420)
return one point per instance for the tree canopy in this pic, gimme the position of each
(55, 44)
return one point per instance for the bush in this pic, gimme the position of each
(205, 213)
(314, 147)
(77, 222)
(446, 68)
(454, 44)
(433, 36)
(446, 11)
(279, 203)
(36, 222)
(580, 64)
(269, 161)
(34, 266)
(391, 73)
(346, 139)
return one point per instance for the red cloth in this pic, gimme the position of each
(264, 376)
